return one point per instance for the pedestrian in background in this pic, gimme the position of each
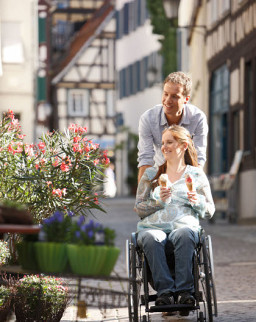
(109, 182)
(174, 109)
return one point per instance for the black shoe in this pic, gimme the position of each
(186, 298)
(165, 299)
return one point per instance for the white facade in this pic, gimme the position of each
(136, 45)
(18, 24)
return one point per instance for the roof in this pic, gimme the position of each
(84, 37)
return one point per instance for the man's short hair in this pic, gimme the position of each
(182, 79)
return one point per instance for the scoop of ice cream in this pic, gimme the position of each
(163, 180)
(163, 177)
(188, 179)
(189, 182)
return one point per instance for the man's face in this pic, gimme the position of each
(173, 99)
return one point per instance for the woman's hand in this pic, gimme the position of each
(165, 193)
(192, 197)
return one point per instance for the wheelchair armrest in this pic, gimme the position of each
(134, 239)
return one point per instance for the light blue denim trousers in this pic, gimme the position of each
(184, 241)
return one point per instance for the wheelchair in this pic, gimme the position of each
(140, 281)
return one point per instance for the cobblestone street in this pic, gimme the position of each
(234, 260)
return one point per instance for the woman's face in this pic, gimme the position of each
(171, 148)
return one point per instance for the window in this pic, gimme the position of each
(78, 102)
(135, 77)
(225, 6)
(214, 10)
(236, 131)
(132, 15)
(11, 43)
(126, 18)
(110, 103)
(249, 108)
(219, 107)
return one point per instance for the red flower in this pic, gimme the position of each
(96, 161)
(106, 161)
(64, 167)
(77, 148)
(56, 162)
(57, 192)
(76, 139)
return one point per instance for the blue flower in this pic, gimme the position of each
(58, 216)
(80, 220)
(78, 234)
(83, 228)
(90, 234)
(71, 214)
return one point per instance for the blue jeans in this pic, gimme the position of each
(184, 241)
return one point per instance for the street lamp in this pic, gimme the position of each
(171, 8)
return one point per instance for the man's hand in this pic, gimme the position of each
(142, 170)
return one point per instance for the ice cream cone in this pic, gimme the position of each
(189, 183)
(163, 180)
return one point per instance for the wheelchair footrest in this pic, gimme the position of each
(173, 308)
(151, 298)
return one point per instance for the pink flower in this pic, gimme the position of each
(87, 148)
(10, 149)
(41, 146)
(15, 147)
(105, 153)
(96, 161)
(48, 183)
(10, 114)
(57, 192)
(106, 161)
(56, 162)
(76, 139)
(21, 136)
(37, 166)
(73, 128)
(64, 167)
(77, 148)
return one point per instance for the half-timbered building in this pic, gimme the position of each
(223, 66)
(83, 67)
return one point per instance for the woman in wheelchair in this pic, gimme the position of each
(171, 214)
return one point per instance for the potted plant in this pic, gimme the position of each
(91, 249)
(51, 253)
(5, 302)
(40, 298)
(4, 253)
(61, 172)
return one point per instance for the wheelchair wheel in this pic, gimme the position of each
(206, 278)
(134, 285)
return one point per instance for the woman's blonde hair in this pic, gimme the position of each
(181, 135)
